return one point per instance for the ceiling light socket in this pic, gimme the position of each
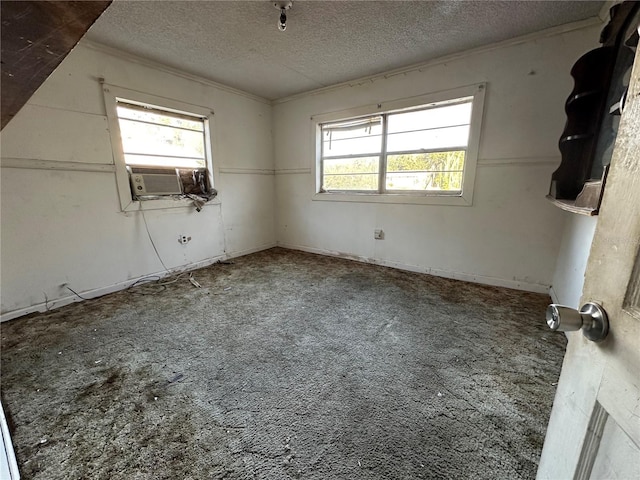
(283, 5)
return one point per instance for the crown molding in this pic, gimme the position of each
(114, 52)
(549, 32)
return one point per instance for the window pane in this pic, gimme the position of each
(424, 149)
(425, 181)
(351, 173)
(160, 140)
(352, 146)
(425, 171)
(449, 137)
(160, 161)
(435, 161)
(352, 138)
(149, 115)
(351, 165)
(436, 117)
(363, 181)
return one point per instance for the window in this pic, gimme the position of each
(425, 147)
(162, 149)
(152, 136)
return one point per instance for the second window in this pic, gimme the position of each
(421, 150)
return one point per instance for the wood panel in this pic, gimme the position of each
(36, 37)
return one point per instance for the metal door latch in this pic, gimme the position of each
(591, 318)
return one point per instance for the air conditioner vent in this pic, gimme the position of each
(155, 181)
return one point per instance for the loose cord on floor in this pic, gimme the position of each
(154, 284)
(144, 280)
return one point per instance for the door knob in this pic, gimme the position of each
(591, 318)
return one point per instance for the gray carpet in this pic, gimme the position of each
(284, 365)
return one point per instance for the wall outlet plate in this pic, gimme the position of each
(378, 234)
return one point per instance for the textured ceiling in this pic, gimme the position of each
(237, 43)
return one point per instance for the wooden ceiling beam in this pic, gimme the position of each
(36, 36)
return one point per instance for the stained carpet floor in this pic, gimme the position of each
(284, 365)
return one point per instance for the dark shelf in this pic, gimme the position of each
(578, 97)
(573, 138)
(587, 140)
(570, 206)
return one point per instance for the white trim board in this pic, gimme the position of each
(112, 94)
(467, 277)
(246, 171)
(482, 162)
(519, 162)
(41, 164)
(292, 171)
(98, 292)
(475, 93)
(8, 464)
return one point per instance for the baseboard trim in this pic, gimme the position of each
(467, 277)
(249, 251)
(99, 292)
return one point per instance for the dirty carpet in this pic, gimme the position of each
(284, 365)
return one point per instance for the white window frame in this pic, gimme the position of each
(113, 93)
(477, 91)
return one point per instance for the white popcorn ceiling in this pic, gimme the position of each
(237, 43)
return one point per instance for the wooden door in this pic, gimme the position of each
(594, 430)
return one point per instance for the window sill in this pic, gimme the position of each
(164, 203)
(393, 198)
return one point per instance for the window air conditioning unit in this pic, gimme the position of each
(155, 181)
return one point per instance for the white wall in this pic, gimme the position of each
(65, 225)
(571, 264)
(511, 234)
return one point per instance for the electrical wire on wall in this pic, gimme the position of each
(75, 293)
(224, 232)
(146, 226)
(149, 278)
(154, 284)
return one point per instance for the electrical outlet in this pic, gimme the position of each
(378, 234)
(183, 239)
